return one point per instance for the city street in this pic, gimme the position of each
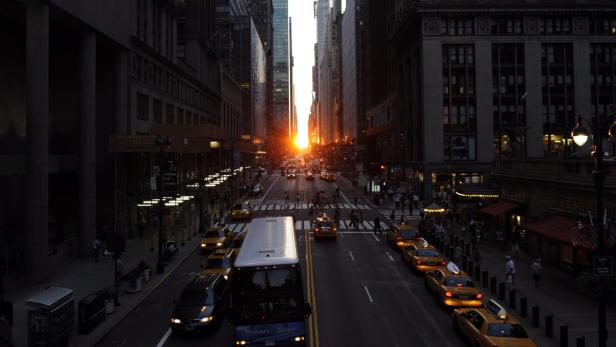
(364, 295)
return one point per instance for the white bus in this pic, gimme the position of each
(267, 294)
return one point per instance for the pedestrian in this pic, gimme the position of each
(96, 245)
(415, 201)
(337, 215)
(476, 257)
(286, 199)
(536, 271)
(297, 198)
(510, 271)
(458, 254)
(515, 248)
(355, 200)
(361, 217)
(402, 221)
(293, 215)
(377, 225)
(392, 215)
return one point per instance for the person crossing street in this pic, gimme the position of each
(377, 225)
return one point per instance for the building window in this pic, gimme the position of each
(158, 111)
(180, 116)
(558, 98)
(143, 112)
(506, 26)
(170, 114)
(459, 84)
(603, 26)
(188, 117)
(555, 26)
(508, 90)
(457, 26)
(460, 148)
(603, 80)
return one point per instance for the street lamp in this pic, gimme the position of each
(162, 143)
(580, 136)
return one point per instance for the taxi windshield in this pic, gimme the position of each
(427, 253)
(459, 282)
(214, 233)
(408, 234)
(240, 207)
(324, 224)
(218, 263)
(195, 298)
(506, 330)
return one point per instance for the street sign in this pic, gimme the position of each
(170, 178)
(603, 266)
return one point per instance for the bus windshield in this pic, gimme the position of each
(267, 295)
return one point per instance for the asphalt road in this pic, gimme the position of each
(364, 295)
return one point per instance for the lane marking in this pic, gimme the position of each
(351, 255)
(268, 191)
(368, 293)
(376, 238)
(163, 340)
(341, 235)
(314, 333)
(390, 257)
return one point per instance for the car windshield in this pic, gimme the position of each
(214, 233)
(217, 263)
(195, 297)
(506, 330)
(408, 234)
(459, 282)
(427, 253)
(324, 224)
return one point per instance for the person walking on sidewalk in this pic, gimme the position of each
(392, 215)
(377, 225)
(536, 271)
(510, 271)
(96, 245)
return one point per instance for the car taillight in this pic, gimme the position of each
(443, 263)
(448, 294)
(398, 238)
(478, 296)
(419, 262)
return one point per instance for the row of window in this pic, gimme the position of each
(173, 115)
(515, 26)
(155, 26)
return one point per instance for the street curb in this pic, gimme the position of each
(98, 335)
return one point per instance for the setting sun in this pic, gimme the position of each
(301, 141)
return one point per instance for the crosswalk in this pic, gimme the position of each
(305, 206)
(398, 214)
(300, 225)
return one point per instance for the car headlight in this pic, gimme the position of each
(298, 339)
(203, 245)
(219, 244)
(226, 277)
(207, 319)
(241, 342)
(176, 321)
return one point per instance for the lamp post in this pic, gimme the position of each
(162, 143)
(580, 136)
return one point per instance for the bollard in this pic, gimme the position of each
(469, 268)
(564, 335)
(535, 313)
(523, 307)
(512, 300)
(549, 325)
(501, 291)
(484, 278)
(493, 285)
(580, 341)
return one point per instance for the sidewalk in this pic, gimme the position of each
(84, 276)
(557, 295)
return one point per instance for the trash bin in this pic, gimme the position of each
(51, 317)
(91, 311)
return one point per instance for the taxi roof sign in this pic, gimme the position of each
(498, 311)
(453, 268)
(423, 243)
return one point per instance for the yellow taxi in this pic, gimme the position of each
(241, 211)
(324, 227)
(452, 287)
(490, 326)
(216, 237)
(402, 235)
(219, 262)
(420, 256)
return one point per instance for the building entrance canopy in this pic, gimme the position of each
(499, 208)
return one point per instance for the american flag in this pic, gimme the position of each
(610, 233)
(582, 231)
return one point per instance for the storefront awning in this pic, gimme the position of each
(476, 191)
(498, 208)
(556, 227)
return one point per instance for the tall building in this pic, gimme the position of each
(493, 94)
(281, 125)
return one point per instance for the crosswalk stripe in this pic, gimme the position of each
(232, 226)
(270, 207)
(346, 205)
(355, 207)
(298, 225)
(306, 224)
(370, 224)
(363, 207)
(345, 224)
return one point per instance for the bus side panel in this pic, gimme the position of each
(280, 333)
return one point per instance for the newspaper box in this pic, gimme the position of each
(50, 317)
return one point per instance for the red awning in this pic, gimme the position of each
(557, 228)
(498, 208)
